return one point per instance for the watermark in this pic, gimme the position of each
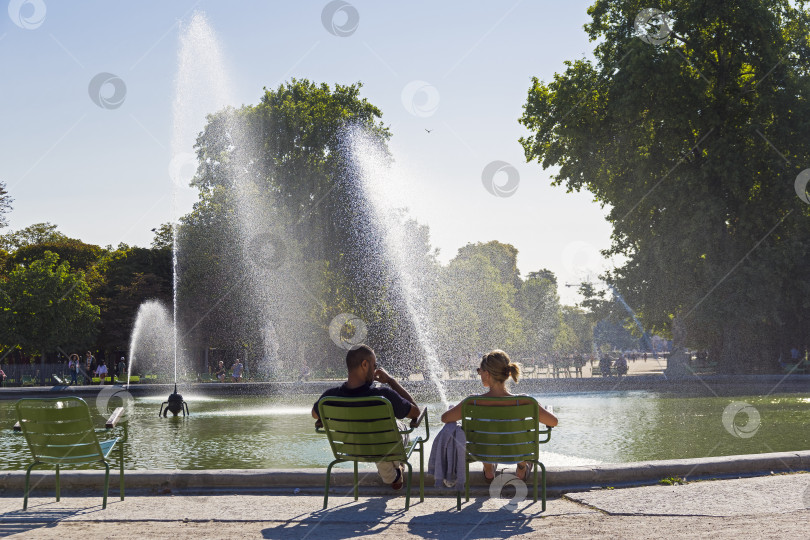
(496, 168)
(27, 14)
(111, 397)
(581, 257)
(182, 168)
(266, 251)
(800, 185)
(502, 480)
(347, 331)
(731, 415)
(340, 18)
(107, 90)
(420, 98)
(653, 26)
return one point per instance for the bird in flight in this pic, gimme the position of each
(428, 130)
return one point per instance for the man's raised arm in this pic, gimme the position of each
(382, 376)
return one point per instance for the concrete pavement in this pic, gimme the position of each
(775, 506)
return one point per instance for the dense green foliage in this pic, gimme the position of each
(694, 144)
(5, 205)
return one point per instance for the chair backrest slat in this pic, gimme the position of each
(362, 429)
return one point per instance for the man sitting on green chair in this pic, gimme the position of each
(361, 363)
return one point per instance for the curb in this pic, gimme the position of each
(559, 479)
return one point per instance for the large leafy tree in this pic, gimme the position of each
(44, 306)
(286, 163)
(691, 128)
(38, 233)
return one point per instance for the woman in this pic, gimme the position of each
(74, 367)
(101, 372)
(495, 370)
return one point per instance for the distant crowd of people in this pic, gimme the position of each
(90, 368)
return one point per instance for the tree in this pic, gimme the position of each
(539, 306)
(122, 280)
(678, 139)
(38, 233)
(80, 255)
(5, 205)
(46, 306)
(164, 237)
(282, 170)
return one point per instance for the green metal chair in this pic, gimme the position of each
(59, 431)
(503, 434)
(364, 429)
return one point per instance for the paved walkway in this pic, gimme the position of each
(775, 506)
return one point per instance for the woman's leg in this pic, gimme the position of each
(523, 469)
(489, 471)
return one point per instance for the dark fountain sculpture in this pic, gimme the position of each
(175, 405)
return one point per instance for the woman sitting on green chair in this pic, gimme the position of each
(495, 370)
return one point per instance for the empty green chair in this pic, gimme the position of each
(59, 431)
(364, 429)
(503, 434)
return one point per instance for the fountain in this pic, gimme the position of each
(152, 337)
(370, 165)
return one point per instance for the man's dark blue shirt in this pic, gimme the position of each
(400, 405)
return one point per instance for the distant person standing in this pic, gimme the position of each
(122, 368)
(74, 366)
(236, 371)
(2, 377)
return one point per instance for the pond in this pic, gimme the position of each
(603, 427)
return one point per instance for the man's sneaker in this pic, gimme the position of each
(396, 485)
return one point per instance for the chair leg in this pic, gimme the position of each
(543, 469)
(328, 478)
(27, 484)
(421, 472)
(121, 473)
(467, 482)
(408, 486)
(57, 484)
(106, 484)
(355, 481)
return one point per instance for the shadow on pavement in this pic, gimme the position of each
(471, 522)
(36, 517)
(371, 518)
(344, 521)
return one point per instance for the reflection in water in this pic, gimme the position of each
(247, 433)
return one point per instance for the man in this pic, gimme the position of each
(122, 368)
(361, 363)
(236, 371)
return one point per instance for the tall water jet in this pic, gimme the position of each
(152, 337)
(370, 164)
(200, 88)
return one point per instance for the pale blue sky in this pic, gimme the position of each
(102, 174)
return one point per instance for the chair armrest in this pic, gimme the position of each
(547, 433)
(415, 423)
(116, 417)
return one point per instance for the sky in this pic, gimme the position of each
(91, 153)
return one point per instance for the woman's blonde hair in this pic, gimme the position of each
(499, 366)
